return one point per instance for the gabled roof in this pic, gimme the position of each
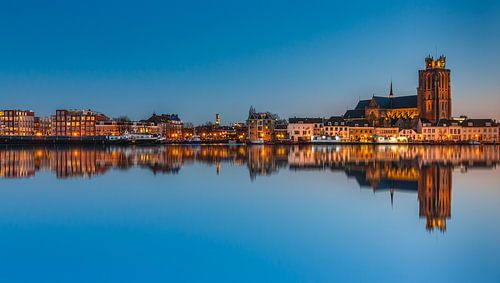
(409, 101)
(296, 120)
(359, 123)
(163, 118)
(478, 123)
(262, 115)
(395, 102)
(447, 123)
(355, 114)
(335, 119)
(362, 104)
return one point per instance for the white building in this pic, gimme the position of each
(302, 129)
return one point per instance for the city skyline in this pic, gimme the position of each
(199, 60)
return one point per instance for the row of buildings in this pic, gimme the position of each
(84, 123)
(424, 117)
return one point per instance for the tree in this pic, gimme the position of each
(122, 119)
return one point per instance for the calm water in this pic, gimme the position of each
(250, 214)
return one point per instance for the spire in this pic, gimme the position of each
(391, 93)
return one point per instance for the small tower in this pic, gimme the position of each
(391, 93)
(217, 119)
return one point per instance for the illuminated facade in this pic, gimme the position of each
(302, 129)
(76, 123)
(169, 125)
(337, 126)
(483, 130)
(434, 196)
(109, 128)
(281, 132)
(361, 130)
(261, 126)
(434, 90)
(43, 126)
(382, 111)
(17, 122)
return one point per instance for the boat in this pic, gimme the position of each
(474, 142)
(116, 139)
(257, 141)
(194, 139)
(325, 139)
(141, 138)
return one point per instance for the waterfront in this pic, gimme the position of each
(250, 213)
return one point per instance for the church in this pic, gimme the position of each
(432, 101)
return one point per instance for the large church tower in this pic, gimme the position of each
(434, 90)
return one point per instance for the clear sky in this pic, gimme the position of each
(198, 58)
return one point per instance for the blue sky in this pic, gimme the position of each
(198, 58)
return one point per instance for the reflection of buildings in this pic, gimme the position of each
(16, 164)
(434, 196)
(424, 170)
(265, 160)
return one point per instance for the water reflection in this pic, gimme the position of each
(424, 170)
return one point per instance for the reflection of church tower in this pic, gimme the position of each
(434, 90)
(434, 196)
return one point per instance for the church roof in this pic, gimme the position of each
(409, 101)
(355, 114)
(395, 102)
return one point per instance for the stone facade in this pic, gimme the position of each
(434, 90)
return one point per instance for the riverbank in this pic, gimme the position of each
(34, 140)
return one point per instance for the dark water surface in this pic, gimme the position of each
(250, 214)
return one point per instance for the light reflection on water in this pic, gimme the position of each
(196, 205)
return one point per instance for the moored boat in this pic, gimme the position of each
(325, 139)
(257, 141)
(141, 138)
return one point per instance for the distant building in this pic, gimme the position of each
(434, 90)
(303, 129)
(260, 126)
(109, 128)
(452, 130)
(432, 102)
(43, 126)
(361, 130)
(76, 123)
(484, 130)
(280, 131)
(386, 132)
(144, 128)
(381, 110)
(410, 134)
(336, 126)
(217, 119)
(170, 125)
(17, 122)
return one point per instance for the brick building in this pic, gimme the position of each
(14, 122)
